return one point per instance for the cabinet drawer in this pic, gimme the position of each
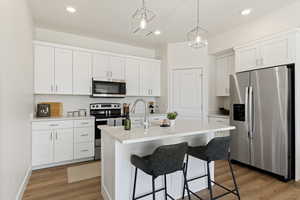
(84, 134)
(84, 123)
(52, 125)
(84, 150)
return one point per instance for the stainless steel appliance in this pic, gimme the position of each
(105, 114)
(262, 110)
(107, 88)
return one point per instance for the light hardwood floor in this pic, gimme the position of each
(51, 184)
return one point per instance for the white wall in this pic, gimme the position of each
(280, 20)
(16, 95)
(91, 43)
(180, 55)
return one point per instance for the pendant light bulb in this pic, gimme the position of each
(143, 23)
(198, 39)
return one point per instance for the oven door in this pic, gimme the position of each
(98, 122)
(108, 88)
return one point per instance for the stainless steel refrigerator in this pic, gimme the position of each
(262, 109)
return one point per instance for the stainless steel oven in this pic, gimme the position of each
(106, 88)
(105, 114)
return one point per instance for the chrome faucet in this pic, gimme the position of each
(146, 114)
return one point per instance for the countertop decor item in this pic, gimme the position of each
(56, 108)
(43, 110)
(172, 117)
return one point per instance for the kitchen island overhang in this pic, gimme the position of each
(118, 145)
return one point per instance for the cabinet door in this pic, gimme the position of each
(82, 69)
(187, 96)
(132, 77)
(155, 84)
(101, 65)
(63, 71)
(64, 145)
(43, 69)
(246, 58)
(276, 51)
(146, 78)
(42, 147)
(117, 68)
(221, 76)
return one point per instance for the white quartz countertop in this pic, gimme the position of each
(38, 119)
(182, 128)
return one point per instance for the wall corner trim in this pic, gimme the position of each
(24, 183)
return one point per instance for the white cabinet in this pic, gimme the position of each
(220, 121)
(56, 142)
(224, 68)
(117, 67)
(268, 52)
(108, 67)
(132, 77)
(101, 66)
(82, 73)
(150, 78)
(63, 145)
(63, 71)
(42, 147)
(43, 69)
(53, 70)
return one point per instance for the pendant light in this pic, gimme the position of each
(197, 36)
(141, 20)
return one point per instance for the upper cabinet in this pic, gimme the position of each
(268, 52)
(82, 73)
(43, 69)
(132, 77)
(53, 70)
(68, 70)
(108, 67)
(224, 68)
(63, 71)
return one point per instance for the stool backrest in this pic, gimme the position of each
(218, 148)
(167, 159)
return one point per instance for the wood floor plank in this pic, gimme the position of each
(52, 184)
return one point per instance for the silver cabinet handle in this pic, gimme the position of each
(51, 88)
(54, 125)
(56, 88)
(51, 136)
(83, 123)
(84, 135)
(56, 135)
(85, 150)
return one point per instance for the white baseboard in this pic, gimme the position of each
(23, 185)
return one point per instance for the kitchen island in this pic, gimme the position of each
(118, 145)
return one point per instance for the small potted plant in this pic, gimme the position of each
(172, 117)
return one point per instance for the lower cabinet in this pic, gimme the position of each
(220, 121)
(55, 142)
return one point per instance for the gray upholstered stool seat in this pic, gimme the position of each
(164, 160)
(216, 149)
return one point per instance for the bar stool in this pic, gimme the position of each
(165, 160)
(216, 149)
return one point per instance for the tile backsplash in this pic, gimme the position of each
(73, 103)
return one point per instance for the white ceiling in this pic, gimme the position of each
(110, 19)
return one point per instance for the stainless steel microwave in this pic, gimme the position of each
(106, 88)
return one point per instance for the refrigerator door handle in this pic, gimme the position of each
(251, 112)
(246, 109)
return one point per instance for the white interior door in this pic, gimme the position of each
(42, 147)
(64, 145)
(132, 77)
(43, 69)
(101, 66)
(63, 71)
(187, 98)
(82, 67)
(117, 67)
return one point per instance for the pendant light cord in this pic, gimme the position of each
(198, 17)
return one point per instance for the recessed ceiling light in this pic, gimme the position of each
(71, 9)
(246, 12)
(157, 32)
